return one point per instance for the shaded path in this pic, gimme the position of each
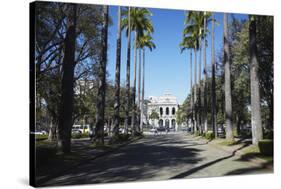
(158, 157)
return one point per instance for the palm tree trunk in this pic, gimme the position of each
(139, 88)
(142, 98)
(205, 81)
(67, 97)
(191, 95)
(127, 108)
(117, 78)
(227, 77)
(255, 90)
(195, 90)
(214, 114)
(199, 90)
(133, 124)
(99, 129)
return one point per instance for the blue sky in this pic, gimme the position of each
(166, 68)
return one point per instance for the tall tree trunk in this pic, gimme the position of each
(117, 78)
(255, 90)
(127, 108)
(214, 114)
(205, 80)
(67, 97)
(191, 94)
(142, 98)
(133, 124)
(227, 82)
(199, 90)
(139, 88)
(99, 129)
(195, 90)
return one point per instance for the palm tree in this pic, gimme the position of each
(228, 98)
(144, 41)
(213, 93)
(67, 97)
(117, 78)
(126, 22)
(188, 43)
(99, 129)
(205, 31)
(140, 23)
(194, 26)
(255, 91)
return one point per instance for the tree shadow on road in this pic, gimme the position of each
(136, 162)
(262, 168)
(194, 170)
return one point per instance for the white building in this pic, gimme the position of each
(166, 106)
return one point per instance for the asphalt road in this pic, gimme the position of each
(160, 157)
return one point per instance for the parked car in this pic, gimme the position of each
(40, 132)
(82, 128)
(221, 131)
(161, 129)
(76, 131)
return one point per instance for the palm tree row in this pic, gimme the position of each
(194, 36)
(134, 20)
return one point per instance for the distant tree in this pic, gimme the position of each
(154, 115)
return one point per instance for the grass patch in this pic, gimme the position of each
(229, 143)
(254, 151)
(41, 137)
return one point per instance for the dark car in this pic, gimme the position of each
(221, 131)
(161, 129)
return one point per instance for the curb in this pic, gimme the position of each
(101, 154)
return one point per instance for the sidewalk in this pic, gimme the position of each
(53, 165)
(240, 149)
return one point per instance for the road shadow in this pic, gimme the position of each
(136, 162)
(194, 170)
(263, 168)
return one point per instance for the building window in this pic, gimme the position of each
(161, 122)
(167, 111)
(167, 123)
(173, 123)
(161, 111)
(173, 111)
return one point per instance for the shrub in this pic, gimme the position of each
(41, 137)
(76, 135)
(209, 135)
(196, 133)
(268, 134)
(266, 147)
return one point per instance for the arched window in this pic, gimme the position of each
(161, 111)
(173, 111)
(161, 122)
(167, 123)
(173, 123)
(167, 111)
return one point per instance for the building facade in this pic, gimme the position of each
(166, 106)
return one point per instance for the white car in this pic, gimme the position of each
(41, 132)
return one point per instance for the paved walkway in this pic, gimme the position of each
(160, 157)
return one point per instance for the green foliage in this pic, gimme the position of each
(41, 137)
(154, 115)
(209, 135)
(266, 147)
